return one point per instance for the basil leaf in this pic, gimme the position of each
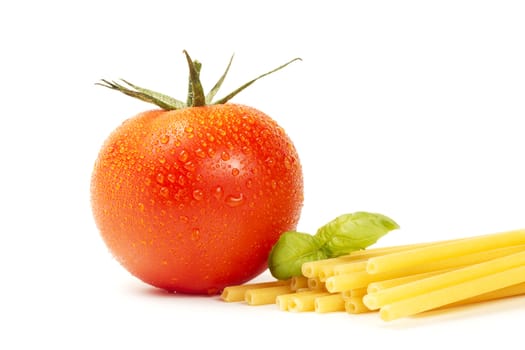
(291, 251)
(351, 232)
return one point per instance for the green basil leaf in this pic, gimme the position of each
(291, 251)
(351, 232)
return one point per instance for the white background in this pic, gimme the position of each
(409, 108)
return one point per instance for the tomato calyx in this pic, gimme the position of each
(196, 96)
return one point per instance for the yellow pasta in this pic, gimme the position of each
(389, 295)
(511, 291)
(356, 280)
(465, 260)
(312, 269)
(316, 284)
(329, 303)
(377, 286)
(325, 267)
(262, 296)
(354, 305)
(302, 302)
(339, 283)
(448, 295)
(236, 293)
(400, 281)
(439, 251)
(298, 282)
(283, 300)
(359, 292)
(350, 267)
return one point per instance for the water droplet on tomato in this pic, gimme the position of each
(235, 201)
(274, 184)
(195, 235)
(147, 181)
(188, 129)
(164, 139)
(218, 192)
(287, 163)
(200, 153)
(160, 178)
(198, 194)
(210, 137)
(270, 161)
(171, 178)
(190, 166)
(225, 156)
(249, 183)
(183, 155)
(184, 218)
(162, 160)
(164, 192)
(235, 171)
(141, 206)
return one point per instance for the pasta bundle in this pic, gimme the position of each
(401, 281)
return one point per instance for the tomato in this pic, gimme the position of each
(192, 200)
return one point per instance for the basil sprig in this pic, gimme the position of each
(343, 235)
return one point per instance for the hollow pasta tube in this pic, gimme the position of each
(356, 280)
(302, 302)
(312, 269)
(298, 282)
(454, 293)
(375, 287)
(316, 284)
(262, 296)
(439, 251)
(376, 300)
(236, 293)
(329, 303)
(511, 291)
(354, 305)
(350, 267)
(283, 300)
(359, 292)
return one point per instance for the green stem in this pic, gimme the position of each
(232, 94)
(196, 96)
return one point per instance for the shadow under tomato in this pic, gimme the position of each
(149, 291)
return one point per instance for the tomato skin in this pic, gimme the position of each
(192, 200)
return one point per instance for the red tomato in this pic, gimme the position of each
(192, 200)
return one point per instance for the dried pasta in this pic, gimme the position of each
(355, 305)
(439, 251)
(457, 292)
(267, 295)
(298, 282)
(400, 281)
(301, 302)
(236, 293)
(428, 284)
(329, 303)
(315, 283)
(283, 300)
